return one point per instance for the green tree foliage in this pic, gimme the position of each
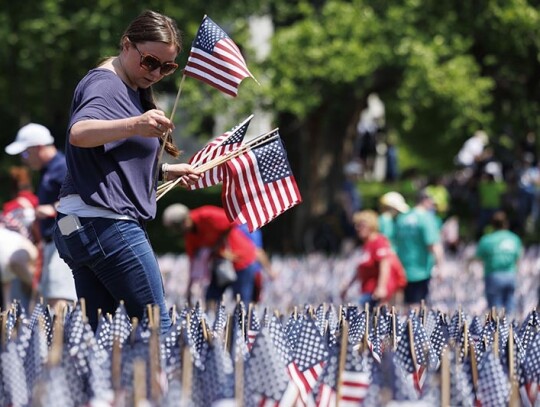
(443, 69)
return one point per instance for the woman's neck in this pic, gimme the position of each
(115, 65)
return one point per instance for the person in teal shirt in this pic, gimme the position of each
(419, 248)
(500, 251)
(391, 205)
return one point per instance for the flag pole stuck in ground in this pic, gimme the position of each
(281, 359)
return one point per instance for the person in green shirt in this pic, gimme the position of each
(418, 244)
(391, 205)
(500, 251)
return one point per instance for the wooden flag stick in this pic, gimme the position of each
(134, 325)
(423, 309)
(342, 359)
(411, 344)
(465, 339)
(239, 381)
(155, 370)
(514, 385)
(228, 333)
(474, 367)
(365, 337)
(116, 365)
(156, 312)
(445, 379)
(139, 382)
(496, 338)
(55, 354)
(206, 334)
(394, 329)
(177, 96)
(83, 309)
(150, 316)
(174, 314)
(166, 134)
(187, 377)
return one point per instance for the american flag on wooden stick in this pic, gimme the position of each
(219, 146)
(259, 185)
(216, 60)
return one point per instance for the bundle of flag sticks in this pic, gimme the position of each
(222, 159)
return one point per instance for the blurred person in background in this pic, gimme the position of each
(18, 237)
(472, 150)
(350, 202)
(264, 266)
(208, 227)
(490, 199)
(391, 205)
(379, 271)
(418, 243)
(500, 251)
(35, 144)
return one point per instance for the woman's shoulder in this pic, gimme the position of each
(99, 76)
(99, 82)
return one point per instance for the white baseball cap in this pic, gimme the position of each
(28, 136)
(394, 200)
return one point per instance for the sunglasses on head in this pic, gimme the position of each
(151, 63)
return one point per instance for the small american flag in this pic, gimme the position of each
(493, 386)
(259, 185)
(221, 145)
(216, 60)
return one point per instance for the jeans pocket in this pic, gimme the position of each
(81, 247)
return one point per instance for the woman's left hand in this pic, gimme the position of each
(185, 171)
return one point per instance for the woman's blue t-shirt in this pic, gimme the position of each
(120, 175)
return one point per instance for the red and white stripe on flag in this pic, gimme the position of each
(259, 185)
(221, 145)
(306, 380)
(353, 388)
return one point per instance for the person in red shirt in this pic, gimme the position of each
(379, 272)
(19, 255)
(208, 227)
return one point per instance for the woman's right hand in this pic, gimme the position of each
(152, 123)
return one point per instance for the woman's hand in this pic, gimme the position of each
(380, 293)
(152, 123)
(185, 171)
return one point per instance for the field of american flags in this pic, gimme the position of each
(316, 278)
(287, 351)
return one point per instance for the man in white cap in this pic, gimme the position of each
(35, 144)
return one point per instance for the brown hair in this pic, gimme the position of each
(369, 217)
(155, 27)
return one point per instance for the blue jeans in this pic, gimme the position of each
(500, 287)
(113, 260)
(244, 285)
